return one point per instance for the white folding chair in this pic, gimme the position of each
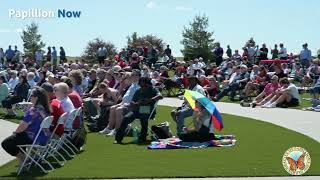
(31, 151)
(54, 144)
(68, 133)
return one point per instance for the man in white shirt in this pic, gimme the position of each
(179, 114)
(288, 95)
(283, 52)
(13, 81)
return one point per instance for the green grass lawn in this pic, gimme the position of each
(258, 152)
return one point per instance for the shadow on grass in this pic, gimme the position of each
(35, 172)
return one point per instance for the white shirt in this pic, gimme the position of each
(283, 52)
(12, 83)
(67, 107)
(127, 98)
(32, 83)
(293, 91)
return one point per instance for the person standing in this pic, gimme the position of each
(9, 54)
(168, 52)
(2, 57)
(63, 58)
(275, 52)
(305, 56)
(54, 56)
(39, 57)
(263, 52)
(229, 52)
(102, 54)
(49, 54)
(283, 52)
(218, 53)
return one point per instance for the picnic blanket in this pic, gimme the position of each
(176, 143)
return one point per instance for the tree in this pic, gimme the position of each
(197, 40)
(31, 40)
(90, 52)
(135, 41)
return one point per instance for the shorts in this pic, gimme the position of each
(293, 102)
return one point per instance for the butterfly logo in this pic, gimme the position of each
(294, 165)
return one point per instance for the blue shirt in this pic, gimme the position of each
(305, 54)
(9, 53)
(127, 98)
(33, 118)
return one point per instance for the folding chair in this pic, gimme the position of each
(54, 143)
(30, 150)
(149, 119)
(68, 133)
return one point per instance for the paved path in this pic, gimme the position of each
(6, 129)
(305, 122)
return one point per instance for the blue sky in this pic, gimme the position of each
(292, 22)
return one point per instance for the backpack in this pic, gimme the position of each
(79, 137)
(162, 131)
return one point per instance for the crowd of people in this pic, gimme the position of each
(114, 91)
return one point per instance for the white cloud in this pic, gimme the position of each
(19, 30)
(151, 5)
(2, 30)
(5, 30)
(183, 8)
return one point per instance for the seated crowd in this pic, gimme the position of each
(117, 90)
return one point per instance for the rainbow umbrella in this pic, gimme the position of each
(193, 96)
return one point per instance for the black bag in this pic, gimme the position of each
(79, 137)
(162, 131)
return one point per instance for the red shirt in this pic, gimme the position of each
(57, 111)
(77, 102)
(205, 83)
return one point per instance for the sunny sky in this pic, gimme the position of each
(292, 22)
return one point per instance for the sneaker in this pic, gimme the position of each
(105, 131)
(272, 105)
(266, 105)
(112, 133)
(117, 142)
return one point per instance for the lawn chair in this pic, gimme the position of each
(55, 144)
(30, 150)
(63, 142)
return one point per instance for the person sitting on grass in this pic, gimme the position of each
(237, 81)
(315, 90)
(141, 107)
(203, 126)
(179, 114)
(30, 125)
(288, 95)
(256, 83)
(267, 93)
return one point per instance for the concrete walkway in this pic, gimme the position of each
(305, 122)
(6, 129)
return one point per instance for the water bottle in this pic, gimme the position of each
(135, 133)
